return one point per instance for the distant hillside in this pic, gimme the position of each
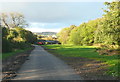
(45, 33)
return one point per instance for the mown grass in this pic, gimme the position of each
(9, 54)
(88, 52)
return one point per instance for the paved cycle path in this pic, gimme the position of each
(45, 66)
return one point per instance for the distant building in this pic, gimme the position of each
(54, 36)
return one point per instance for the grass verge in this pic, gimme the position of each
(7, 55)
(88, 52)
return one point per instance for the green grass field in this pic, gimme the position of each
(7, 55)
(88, 52)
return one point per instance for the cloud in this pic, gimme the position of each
(48, 25)
(38, 29)
(52, 16)
(51, 27)
(55, 12)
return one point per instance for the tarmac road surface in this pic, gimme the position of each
(42, 65)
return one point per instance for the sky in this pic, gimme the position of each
(53, 16)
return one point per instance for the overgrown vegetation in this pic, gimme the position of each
(103, 31)
(7, 55)
(14, 36)
(88, 52)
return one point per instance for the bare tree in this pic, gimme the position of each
(3, 17)
(12, 20)
(17, 20)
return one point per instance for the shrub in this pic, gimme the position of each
(6, 45)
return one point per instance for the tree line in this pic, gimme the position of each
(104, 30)
(14, 36)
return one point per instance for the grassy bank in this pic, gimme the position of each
(7, 55)
(88, 52)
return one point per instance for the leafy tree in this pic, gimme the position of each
(84, 34)
(75, 36)
(109, 28)
(12, 34)
(64, 34)
(25, 35)
(105, 30)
